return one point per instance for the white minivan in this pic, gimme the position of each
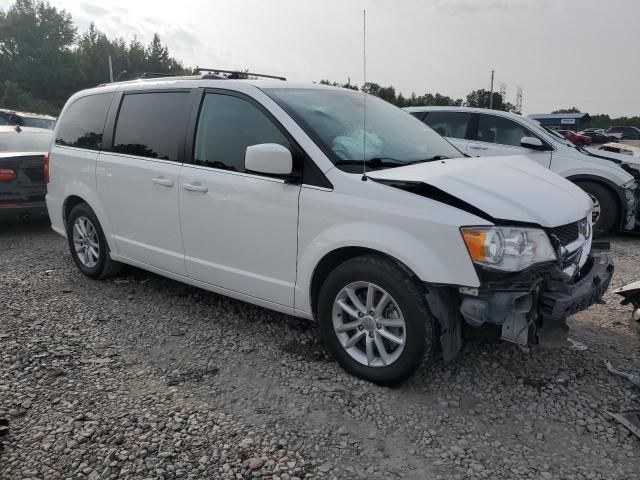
(611, 180)
(257, 189)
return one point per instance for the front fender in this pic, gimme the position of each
(444, 260)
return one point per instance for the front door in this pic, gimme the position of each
(239, 229)
(497, 136)
(138, 181)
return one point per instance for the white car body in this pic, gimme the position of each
(561, 156)
(265, 239)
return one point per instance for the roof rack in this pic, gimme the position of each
(156, 75)
(232, 74)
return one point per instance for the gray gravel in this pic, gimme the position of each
(142, 377)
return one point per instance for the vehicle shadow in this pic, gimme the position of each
(35, 226)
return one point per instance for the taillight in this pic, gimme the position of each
(46, 167)
(6, 175)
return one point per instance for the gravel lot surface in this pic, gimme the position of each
(143, 377)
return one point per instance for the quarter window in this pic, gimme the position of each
(226, 127)
(449, 124)
(151, 124)
(495, 129)
(82, 125)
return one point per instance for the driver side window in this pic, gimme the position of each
(500, 130)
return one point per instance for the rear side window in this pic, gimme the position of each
(82, 125)
(151, 124)
(494, 129)
(227, 126)
(449, 124)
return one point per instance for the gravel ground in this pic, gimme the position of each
(143, 377)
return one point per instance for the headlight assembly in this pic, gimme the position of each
(507, 248)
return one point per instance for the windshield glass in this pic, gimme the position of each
(38, 122)
(555, 135)
(334, 119)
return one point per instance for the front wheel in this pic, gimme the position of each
(605, 212)
(375, 320)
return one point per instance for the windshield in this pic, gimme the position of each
(38, 122)
(334, 119)
(557, 137)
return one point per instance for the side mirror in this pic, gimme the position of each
(533, 143)
(269, 158)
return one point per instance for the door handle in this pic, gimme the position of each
(195, 187)
(478, 147)
(165, 182)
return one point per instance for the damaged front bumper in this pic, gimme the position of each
(531, 306)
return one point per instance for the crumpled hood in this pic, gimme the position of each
(617, 157)
(506, 188)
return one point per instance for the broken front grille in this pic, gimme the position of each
(566, 233)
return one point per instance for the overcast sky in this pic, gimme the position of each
(562, 52)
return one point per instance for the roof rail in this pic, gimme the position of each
(156, 75)
(233, 74)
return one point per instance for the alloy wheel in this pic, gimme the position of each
(369, 324)
(595, 213)
(85, 242)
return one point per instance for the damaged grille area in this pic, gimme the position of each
(565, 233)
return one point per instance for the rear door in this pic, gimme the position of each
(239, 228)
(138, 178)
(453, 126)
(496, 136)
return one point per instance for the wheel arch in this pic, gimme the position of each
(334, 258)
(81, 194)
(615, 190)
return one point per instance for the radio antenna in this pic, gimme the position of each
(364, 96)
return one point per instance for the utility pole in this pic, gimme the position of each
(110, 70)
(493, 72)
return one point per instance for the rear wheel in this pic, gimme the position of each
(87, 244)
(605, 208)
(375, 320)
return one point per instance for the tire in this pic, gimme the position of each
(408, 305)
(95, 262)
(609, 214)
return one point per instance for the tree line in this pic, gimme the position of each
(477, 98)
(44, 60)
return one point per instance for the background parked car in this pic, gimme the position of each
(609, 178)
(597, 135)
(22, 175)
(24, 119)
(628, 133)
(621, 148)
(574, 137)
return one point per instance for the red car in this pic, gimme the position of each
(574, 137)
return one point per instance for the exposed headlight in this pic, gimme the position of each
(506, 248)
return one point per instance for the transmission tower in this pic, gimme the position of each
(503, 91)
(519, 99)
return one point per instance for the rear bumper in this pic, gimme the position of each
(35, 209)
(530, 303)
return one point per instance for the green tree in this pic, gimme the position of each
(35, 49)
(567, 110)
(480, 99)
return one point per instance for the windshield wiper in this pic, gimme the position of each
(376, 161)
(389, 162)
(424, 160)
